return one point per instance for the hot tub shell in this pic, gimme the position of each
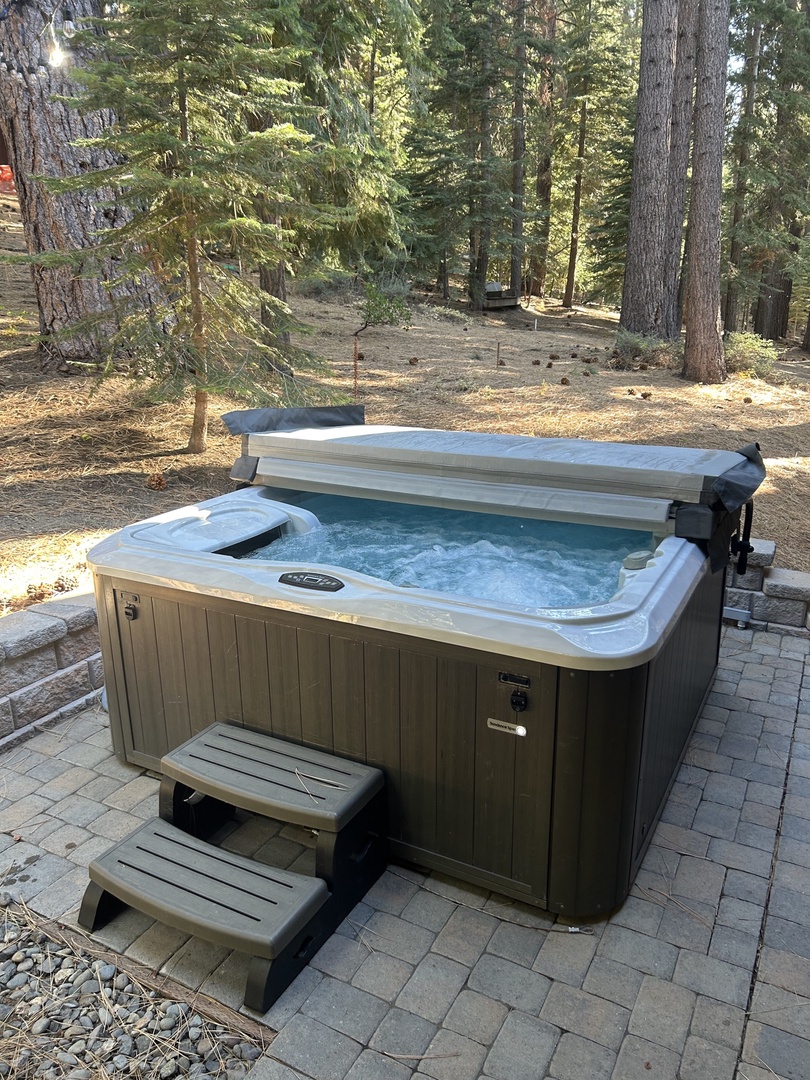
(552, 804)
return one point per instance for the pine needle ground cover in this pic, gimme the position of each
(80, 459)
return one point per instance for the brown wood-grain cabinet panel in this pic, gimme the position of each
(455, 788)
(197, 659)
(418, 676)
(315, 675)
(172, 671)
(254, 680)
(348, 697)
(282, 672)
(225, 666)
(382, 711)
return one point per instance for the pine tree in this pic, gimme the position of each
(703, 358)
(206, 191)
(643, 299)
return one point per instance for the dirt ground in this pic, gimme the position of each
(79, 460)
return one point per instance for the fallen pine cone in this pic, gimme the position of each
(361, 356)
(549, 364)
(414, 360)
(747, 401)
(564, 381)
(65, 583)
(157, 482)
(574, 355)
(501, 363)
(39, 592)
(631, 391)
(554, 356)
(586, 372)
(536, 363)
(646, 395)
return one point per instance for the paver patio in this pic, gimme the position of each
(702, 974)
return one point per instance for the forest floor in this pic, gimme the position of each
(79, 459)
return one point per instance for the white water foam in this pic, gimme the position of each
(516, 561)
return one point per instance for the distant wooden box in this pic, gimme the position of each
(504, 299)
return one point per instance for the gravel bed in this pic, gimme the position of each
(65, 1014)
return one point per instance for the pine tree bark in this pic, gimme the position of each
(573, 251)
(744, 136)
(518, 149)
(642, 309)
(538, 260)
(703, 352)
(678, 166)
(481, 208)
(41, 133)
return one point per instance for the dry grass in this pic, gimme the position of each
(77, 458)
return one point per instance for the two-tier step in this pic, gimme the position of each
(167, 868)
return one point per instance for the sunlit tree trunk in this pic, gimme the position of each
(41, 133)
(703, 352)
(643, 300)
(679, 142)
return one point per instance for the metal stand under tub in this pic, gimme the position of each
(526, 752)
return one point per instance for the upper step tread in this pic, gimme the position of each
(269, 776)
(205, 890)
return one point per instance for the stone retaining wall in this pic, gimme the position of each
(777, 600)
(50, 664)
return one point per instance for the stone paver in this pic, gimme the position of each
(432, 977)
(523, 1049)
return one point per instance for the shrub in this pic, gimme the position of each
(631, 349)
(324, 285)
(749, 354)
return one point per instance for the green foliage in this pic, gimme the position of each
(749, 354)
(207, 165)
(384, 308)
(631, 349)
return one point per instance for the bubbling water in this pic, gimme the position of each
(509, 560)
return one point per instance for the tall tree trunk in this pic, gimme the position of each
(771, 312)
(443, 279)
(744, 136)
(41, 132)
(568, 297)
(703, 353)
(482, 232)
(518, 149)
(198, 438)
(806, 339)
(538, 261)
(773, 306)
(642, 300)
(680, 132)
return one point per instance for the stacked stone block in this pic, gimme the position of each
(49, 663)
(777, 600)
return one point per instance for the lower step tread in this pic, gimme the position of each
(204, 890)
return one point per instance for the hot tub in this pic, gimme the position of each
(527, 748)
